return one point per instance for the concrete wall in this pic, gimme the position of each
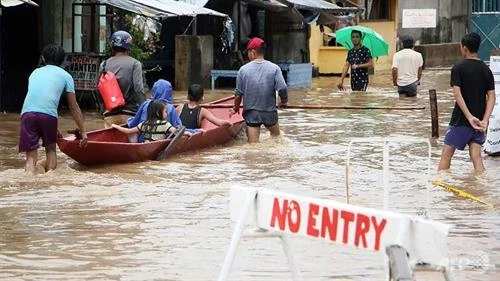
(452, 20)
(52, 20)
(287, 38)
(193, 60)
(288, 46)
(445, 54)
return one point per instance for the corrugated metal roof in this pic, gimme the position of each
(198, 3)
(320, 5)
(267, 3)
(10, 3)
(161, 8)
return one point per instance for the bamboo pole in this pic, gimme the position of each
(311, 106)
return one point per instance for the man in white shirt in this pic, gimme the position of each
(407, 69)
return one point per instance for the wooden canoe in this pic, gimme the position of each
(111, 146)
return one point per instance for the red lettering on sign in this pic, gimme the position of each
(279, 214)
(311, 220)
(329, 223)
(294, 221)
(347, 217)
(378, 231)
(362, 227)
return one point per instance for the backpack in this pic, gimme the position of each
(110, 90)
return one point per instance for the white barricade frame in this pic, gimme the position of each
(277, 214)
(385, 143)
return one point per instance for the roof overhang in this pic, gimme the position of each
(159, 9)
(271, 5)
(10, 3)
(320, 6)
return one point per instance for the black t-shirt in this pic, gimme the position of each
(475, 80)
(359, 56)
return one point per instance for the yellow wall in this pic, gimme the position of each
(315, 41)
(388, 30)
(326, 58)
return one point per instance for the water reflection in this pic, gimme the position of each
(169, 220)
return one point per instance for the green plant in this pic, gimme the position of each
(145, 41)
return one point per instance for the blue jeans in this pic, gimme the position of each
(408, 90)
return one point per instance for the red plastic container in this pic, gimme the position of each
(110, 91)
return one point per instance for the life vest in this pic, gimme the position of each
(154, 131)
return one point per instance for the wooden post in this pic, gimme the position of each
(434, 113)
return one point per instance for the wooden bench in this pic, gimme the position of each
(216, 73)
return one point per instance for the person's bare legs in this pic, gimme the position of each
(475, 156)
(50, 153)
(446, 154)
(253, 134)
(31, 158)
(274, 130)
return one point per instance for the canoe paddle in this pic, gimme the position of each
(459, 192)
(177, 136)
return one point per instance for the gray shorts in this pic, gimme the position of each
(255, 118)
(408, 90)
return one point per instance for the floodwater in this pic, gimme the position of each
(170, 220)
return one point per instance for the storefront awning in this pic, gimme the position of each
(273, 5)
(159, 9)
(320, 5)
(10, 3)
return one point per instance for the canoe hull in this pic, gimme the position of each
(107, 146)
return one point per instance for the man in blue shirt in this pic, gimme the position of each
(39, 114)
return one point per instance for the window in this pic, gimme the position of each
(485, 6)
(375, 9)
(89, 27)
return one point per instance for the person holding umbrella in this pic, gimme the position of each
(359, 59)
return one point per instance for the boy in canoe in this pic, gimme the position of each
(191, 113)
(39, 113)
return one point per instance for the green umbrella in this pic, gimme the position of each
(370, 39)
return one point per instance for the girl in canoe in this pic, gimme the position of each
(191, 113)
(162, 90)
(155, 127)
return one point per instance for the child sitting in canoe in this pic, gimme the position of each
(191, 113)
(162, 90)
(155, 127)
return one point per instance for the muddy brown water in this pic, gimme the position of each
(170, 220)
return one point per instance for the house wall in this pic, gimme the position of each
(452, 23)
(388, 30)
(287, 38)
